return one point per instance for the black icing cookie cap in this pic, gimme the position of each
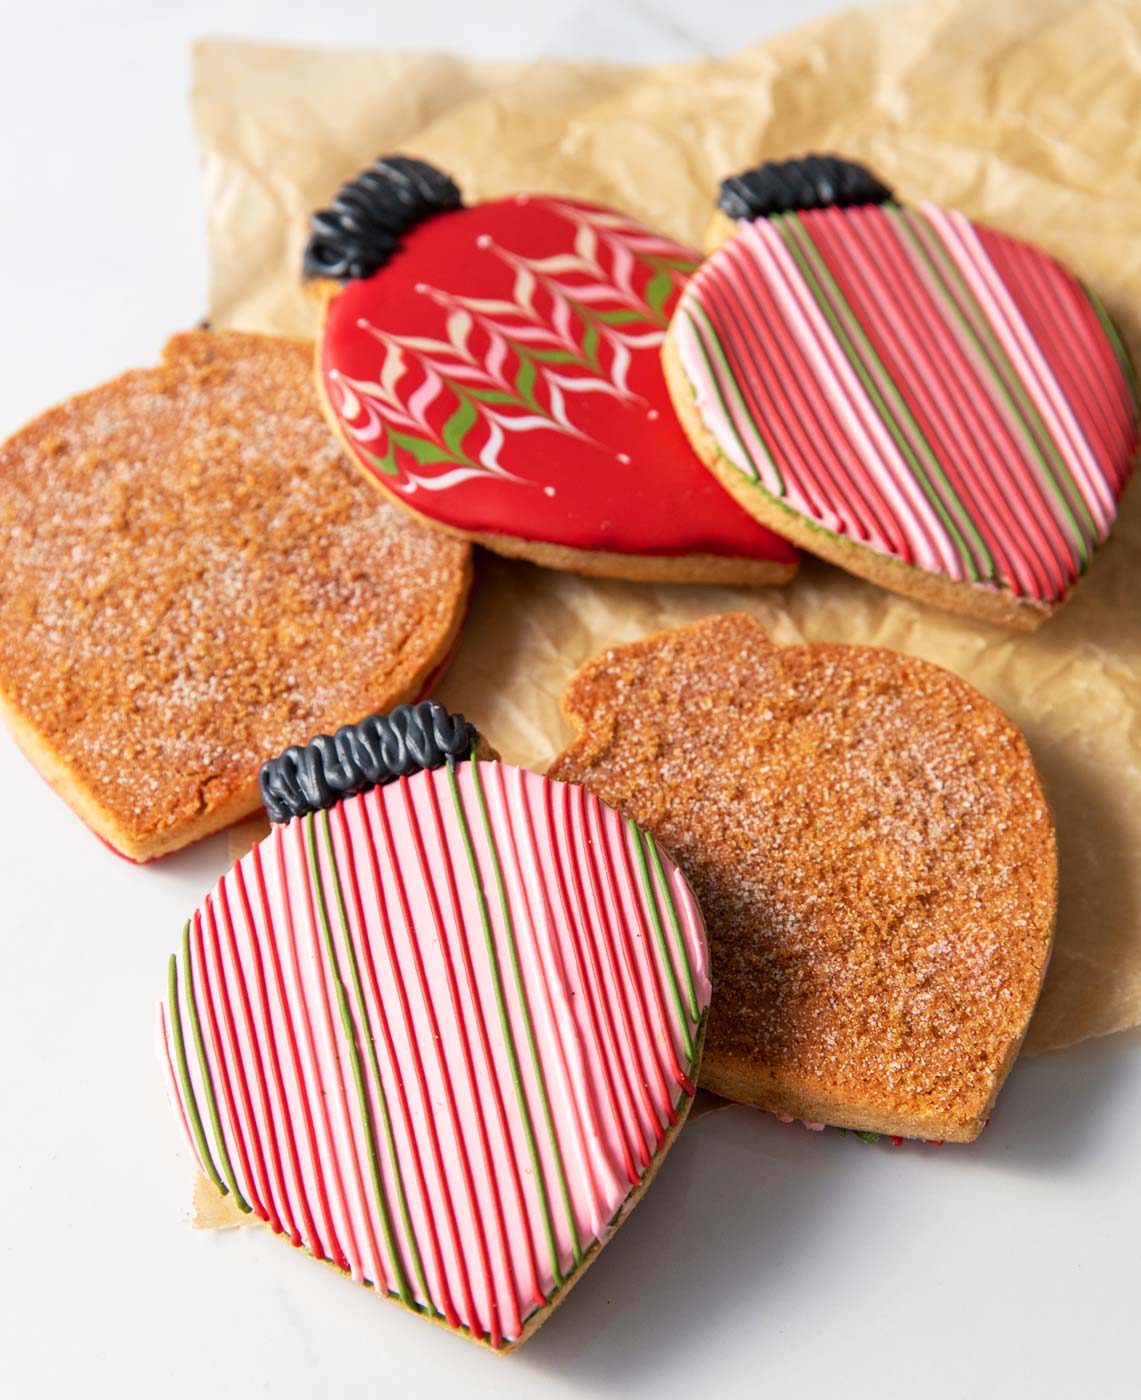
(363, 226)
(309, 778)
(812, 182)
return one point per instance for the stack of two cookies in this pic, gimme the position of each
(865, 836)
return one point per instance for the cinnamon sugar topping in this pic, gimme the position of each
(194, 578)
(872, 851)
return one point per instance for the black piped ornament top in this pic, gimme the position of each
(363, 226)
(812, 182)
(308, 778)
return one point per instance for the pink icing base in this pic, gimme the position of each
(475, 1149)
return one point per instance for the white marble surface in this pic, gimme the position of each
(766, 1259)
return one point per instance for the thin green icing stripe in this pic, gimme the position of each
(207, 1082)
(815, 272)
(493, 967)
(568, 1208)
(1012, 392)
(402, 1286)
(660, 937)
(731, 380)
(1008, 383)
(1116, 340)
(671, 910)
(184, 1072)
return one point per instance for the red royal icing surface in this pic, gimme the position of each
(501, 375)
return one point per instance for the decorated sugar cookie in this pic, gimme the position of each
(496, 370)
(926, 402)
(193, 576)
(874, 857)
(440, 1027)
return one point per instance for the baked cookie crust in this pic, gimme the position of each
(871, 848)
(195, 578)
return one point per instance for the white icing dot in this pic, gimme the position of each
(421, 287)
(548, 490)
(653, 415)
(483, 241)
(624, 457)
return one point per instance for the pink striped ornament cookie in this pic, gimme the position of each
(926, 402)
(440, 1027)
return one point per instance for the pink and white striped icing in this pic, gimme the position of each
(503, 1203)
(929, 389)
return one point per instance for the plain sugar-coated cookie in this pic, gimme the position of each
(495, 369)
(873, 854)
(441, 1026)
(194, 577)
(926, 402)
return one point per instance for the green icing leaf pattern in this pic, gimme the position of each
(440, 410)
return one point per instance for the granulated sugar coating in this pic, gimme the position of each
(871, 848)
(193, 579)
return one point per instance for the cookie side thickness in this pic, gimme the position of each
(457, 462)
(101, 766)
(727, 570)
(801, 1038)
(999, 458)
(474, 859)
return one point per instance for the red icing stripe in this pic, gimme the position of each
(620, 858)
(338, 1089)
(796, 423)
(499, 1218)
(618, 1046)
(585, 1118)
(263, 1129)
(411, 1039)
(1052, 304)
(316, 1091)
(445, 1077)
(651, 1069)
(308, 1225)
(601, 1044)
(613, 980)
(203, 980)
(944, 397)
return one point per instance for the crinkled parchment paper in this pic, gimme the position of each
(1024, 113)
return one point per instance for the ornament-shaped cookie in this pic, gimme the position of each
(495, 369)
(873, 853)
(926, 402)
(194, 577)
(440, 1027)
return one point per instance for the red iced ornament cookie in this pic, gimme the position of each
(440, 1027)
(927, 402)
(496, 370)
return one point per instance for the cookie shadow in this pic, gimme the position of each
(738, 1192)
(1055, 1105)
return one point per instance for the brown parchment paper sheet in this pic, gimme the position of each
(1024, 113)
